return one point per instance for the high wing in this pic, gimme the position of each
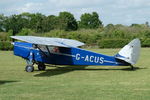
(60, 42)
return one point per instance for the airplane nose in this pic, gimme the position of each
(12, 43)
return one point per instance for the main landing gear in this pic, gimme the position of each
(30, 67)
(41, 66)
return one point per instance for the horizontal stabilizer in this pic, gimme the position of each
(60, 42)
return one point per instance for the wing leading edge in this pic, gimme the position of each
(60, 42)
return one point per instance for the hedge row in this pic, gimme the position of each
(103, 43)
(110, 36)
(113, 43)
(6, 45)
(146, 42)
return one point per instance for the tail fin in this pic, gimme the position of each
(130, 52)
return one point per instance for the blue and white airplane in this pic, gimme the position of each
(58, 51)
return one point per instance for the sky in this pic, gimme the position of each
(124, 12)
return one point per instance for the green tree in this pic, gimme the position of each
(50, 23)
(15, 23)
(2, 19)
(67, 21)
(36, 22)
(85, 20)
(95, 22)
(90, 21)
(12, 22)
(109, 28)
(26, 19)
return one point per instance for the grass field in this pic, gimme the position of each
(75, 83)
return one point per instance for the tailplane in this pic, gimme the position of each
(130, 52)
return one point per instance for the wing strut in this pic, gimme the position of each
(41, 51)
(48, 50)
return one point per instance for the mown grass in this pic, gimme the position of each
(75, 82)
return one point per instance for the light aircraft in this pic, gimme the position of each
(59, 51)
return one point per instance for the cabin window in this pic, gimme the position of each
(43, 48)
(53, 49)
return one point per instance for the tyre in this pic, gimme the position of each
(29, 68)
(41, 66)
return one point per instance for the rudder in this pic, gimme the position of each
(130, 52)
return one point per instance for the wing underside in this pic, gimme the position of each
(60, 42)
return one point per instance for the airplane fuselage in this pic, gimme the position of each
(64, 56)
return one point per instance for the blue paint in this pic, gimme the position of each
(65, 56)
(118, 55)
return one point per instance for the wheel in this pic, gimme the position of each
(41, 66)
(29, 68)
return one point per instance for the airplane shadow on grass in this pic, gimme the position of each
(6, 81)
(62, 70)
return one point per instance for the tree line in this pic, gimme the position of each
(41, 23)
(89, 29)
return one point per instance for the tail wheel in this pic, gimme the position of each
(29, 68)
(41, 66)
(132, 67)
